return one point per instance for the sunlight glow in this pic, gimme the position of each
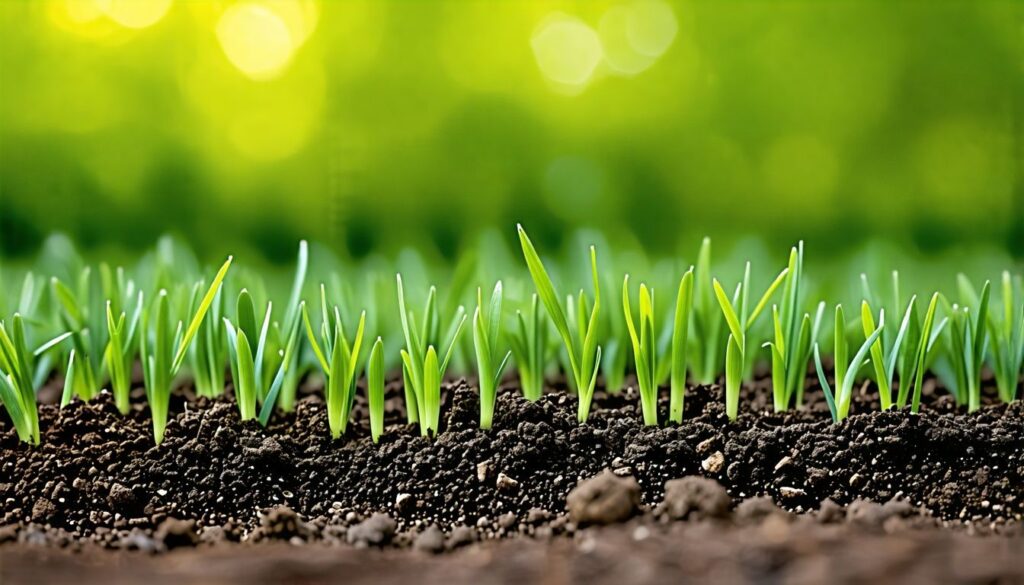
(566, 49)
(256, 40)
(135, 13)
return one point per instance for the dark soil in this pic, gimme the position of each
(97, 480)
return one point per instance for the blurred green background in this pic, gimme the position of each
(371, 126)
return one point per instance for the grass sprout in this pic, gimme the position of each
(707, 321)
(375, 389)
(968, 341)
(929, 334)
(529, 343)
(20, 375)
(122, 346)
(740, 317)
(845, 369)
(581, 346)
(163, 350)
(645, 350)
(1007, 333)
(884, 356)
(290, 327)
(421, 368)
(338, 358)
(87, 332)
(209, 352)
(795, 335)
(490, 363)
(252, 361)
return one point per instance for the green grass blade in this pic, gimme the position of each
(432, 392)
(729, 312)
(763, 302)
(829, 397)
(547, 294)
(245, 386)
(375, 389)
(680, 333)
(69, 381)
(197, 319)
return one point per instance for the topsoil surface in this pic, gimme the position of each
(97, 482)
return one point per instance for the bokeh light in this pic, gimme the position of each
(134, 13)
(567, 50)
(381, 123)
(650, 27)
(255, 39)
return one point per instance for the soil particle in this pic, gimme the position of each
(830, 512)
(714, 463)
(461, 536)
(281, 523)
(122, 500)
(377, 530)
(506, 483)
(8, 533)
(43, 510)
(604, 499)
(756, 509)
(877, 516)
(136, 540)
(430, 540)
(173, 533)
(695, 497)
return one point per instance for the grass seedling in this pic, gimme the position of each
(251, 360)
(646, 354)
(289, 327)
(583, 352)
(529, 343)
(209, 353)
(1007, 334)
(928, 336)
(615, 355)
(794, 337)
(968, 341)
(486, 328)
(20, 375)
(680, 338)
(375, 389)
(707, 321)
(845, 371)
(338, 359)
(899, 346)
(739, 317)
(421, 368)
(122, 334)
(86, 330)
(163, 351)
(884, 356)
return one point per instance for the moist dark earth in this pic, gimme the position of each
(790, 497)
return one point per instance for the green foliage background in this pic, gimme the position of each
(421, 123)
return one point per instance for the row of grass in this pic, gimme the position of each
(95, 326)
